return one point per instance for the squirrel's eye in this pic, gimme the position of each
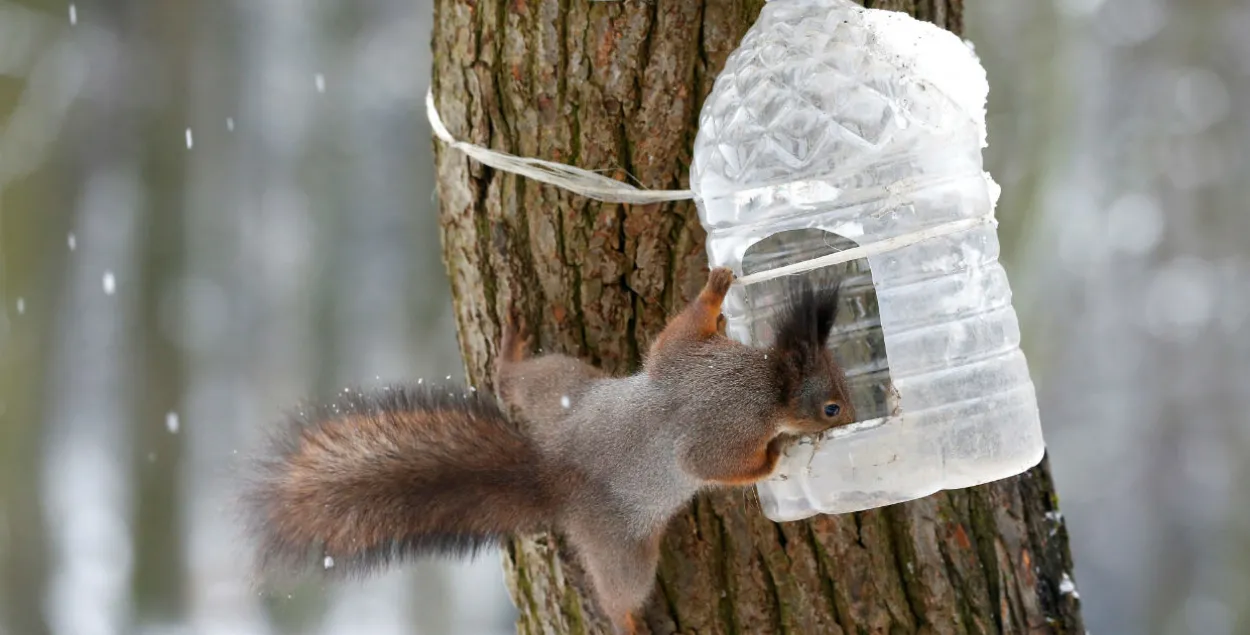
(832, 410)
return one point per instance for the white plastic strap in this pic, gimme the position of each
(584, 182)
(871, 249)
(601, 188)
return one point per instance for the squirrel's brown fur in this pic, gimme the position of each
(375, 476)
(605, 460)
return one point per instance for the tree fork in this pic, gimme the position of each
(619, 85)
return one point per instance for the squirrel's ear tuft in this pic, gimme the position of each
(807, 319)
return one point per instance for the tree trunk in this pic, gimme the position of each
(619, 85)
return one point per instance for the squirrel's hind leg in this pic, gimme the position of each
(622, 570)
(542, 388)
(514, 345)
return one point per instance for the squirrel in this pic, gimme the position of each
(402, 472)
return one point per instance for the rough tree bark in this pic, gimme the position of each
(619, 85)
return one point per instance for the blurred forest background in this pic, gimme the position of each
(209, 210)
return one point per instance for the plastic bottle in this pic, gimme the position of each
(833, 126)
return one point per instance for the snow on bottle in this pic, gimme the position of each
(833, 127)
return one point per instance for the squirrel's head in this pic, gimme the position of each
(813, 387)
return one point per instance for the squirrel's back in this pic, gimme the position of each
(621, 434)
(397, 472)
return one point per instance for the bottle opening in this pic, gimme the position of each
(857, 341)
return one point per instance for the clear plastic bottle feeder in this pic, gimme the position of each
(833, 133)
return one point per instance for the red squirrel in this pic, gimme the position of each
(607, 461)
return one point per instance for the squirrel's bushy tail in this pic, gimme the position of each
(394, 473)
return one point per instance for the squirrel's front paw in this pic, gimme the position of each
(719, 280)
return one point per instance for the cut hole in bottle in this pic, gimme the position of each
(856, 341)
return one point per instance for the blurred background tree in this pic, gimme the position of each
(209, 210)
